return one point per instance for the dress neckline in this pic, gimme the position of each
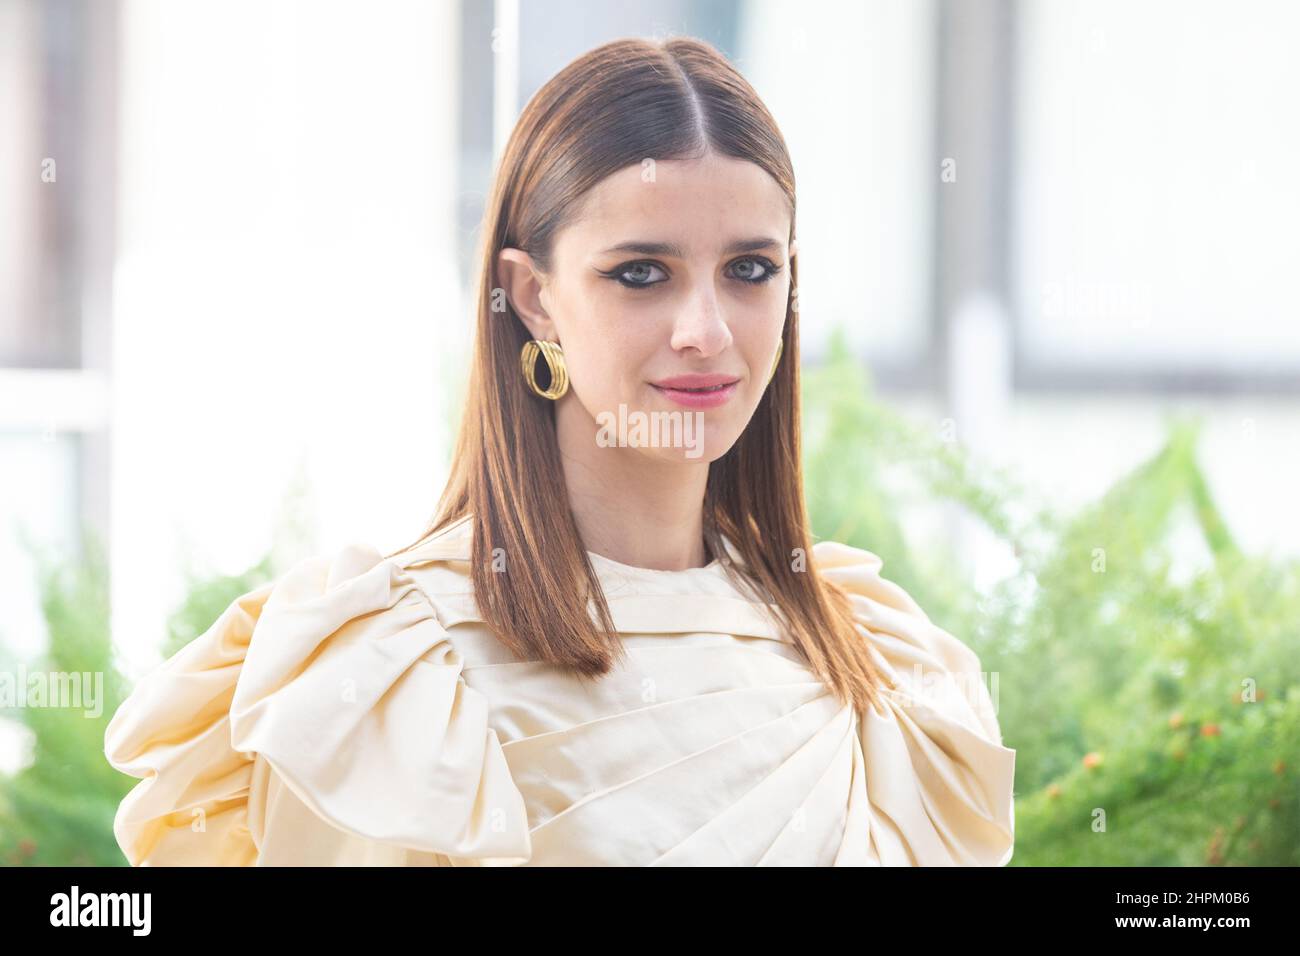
(601, 560)
(453, 543)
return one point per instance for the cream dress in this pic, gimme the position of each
(357, 711)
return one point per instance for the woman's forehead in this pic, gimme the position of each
(700, 206)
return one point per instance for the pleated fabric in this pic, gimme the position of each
(357, 711)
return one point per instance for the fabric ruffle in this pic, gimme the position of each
(341, 677)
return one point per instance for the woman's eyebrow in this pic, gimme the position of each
(645, 248)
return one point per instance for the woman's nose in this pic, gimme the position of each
(701, 324)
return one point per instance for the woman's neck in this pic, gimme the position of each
(629, 506)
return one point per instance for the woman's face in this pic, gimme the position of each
(673, 277)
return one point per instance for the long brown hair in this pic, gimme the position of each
(613, 107)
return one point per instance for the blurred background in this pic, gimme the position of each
(1047, 256)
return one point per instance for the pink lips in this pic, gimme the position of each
(698, 390)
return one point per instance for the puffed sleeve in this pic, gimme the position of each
(173, 732)
(939, 781)
(342, 678)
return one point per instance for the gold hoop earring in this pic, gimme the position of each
(554, 357)
(780, 344)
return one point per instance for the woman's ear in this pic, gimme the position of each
(522, 284)
(794, 247)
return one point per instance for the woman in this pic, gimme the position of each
(616, 644)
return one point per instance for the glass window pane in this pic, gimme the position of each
(1156, 201)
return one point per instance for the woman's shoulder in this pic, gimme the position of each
(923, 657)
(939, 725)
(342, 676)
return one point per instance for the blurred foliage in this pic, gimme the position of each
(1120, 675)
(1154, 710)
(58, 810)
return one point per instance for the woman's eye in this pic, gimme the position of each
(754, 270)
(639, 274)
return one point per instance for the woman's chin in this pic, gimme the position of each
(707, 442)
